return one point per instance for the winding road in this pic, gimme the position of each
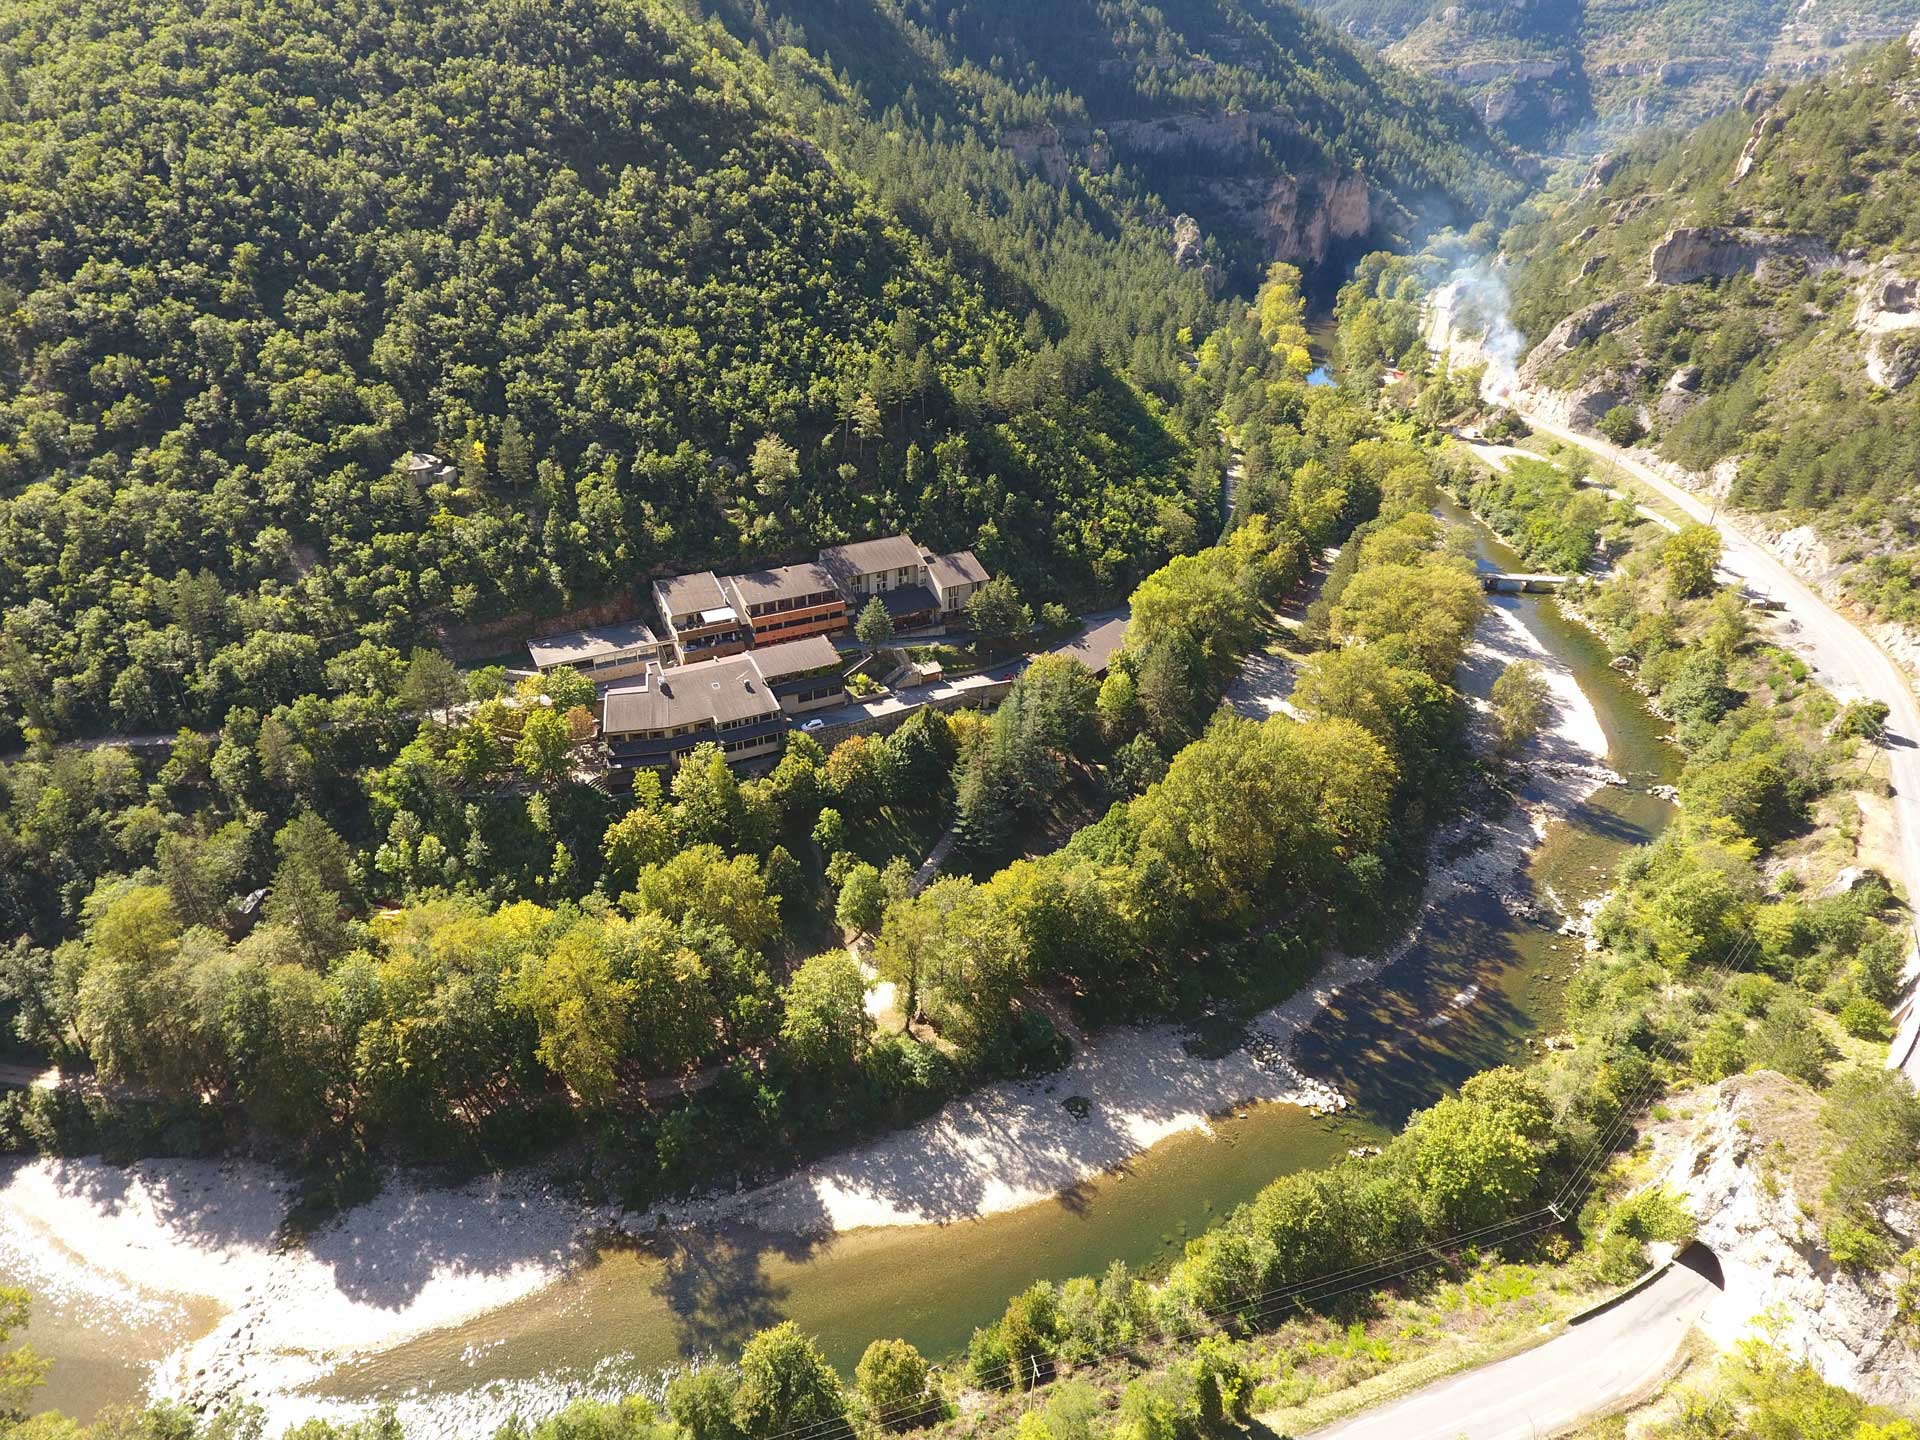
(1843, 658)
(1608, 1359)
(1613, 1358)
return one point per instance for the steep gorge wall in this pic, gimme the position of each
(1301, 215)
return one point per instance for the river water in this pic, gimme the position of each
(1482, 977)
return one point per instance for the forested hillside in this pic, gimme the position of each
(1282, 141)
(1581, 73)
(455, 946)
(1745, 296)
(665, 295)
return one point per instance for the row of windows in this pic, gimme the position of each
(886, 580)
(618, 662)
(804, 602)
(823, 623)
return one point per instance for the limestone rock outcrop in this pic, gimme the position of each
(1189, 246)
(1887, 319)
(1750, 152)
(1727, 1160)
(1688, 253)
(1299, 215)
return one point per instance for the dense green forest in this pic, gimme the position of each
(456, 947)
(1779, 366)
(663, 292)
(573, 250)
(1582, 74)
(1217, 109)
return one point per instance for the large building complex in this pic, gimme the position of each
(744, 703)
(738, 657)
(705, 616)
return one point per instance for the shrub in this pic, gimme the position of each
(701, 1402)
(1866, 1019)
(1621, 425)
(1030, 1331)
(1721, 1049)
(1519, 703)
(1789, 1041)
(786, 1384)
(989, 1361)
(1863, 720)
(891, 1380)
(1690, 558)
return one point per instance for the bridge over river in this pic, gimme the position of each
(1508, 582)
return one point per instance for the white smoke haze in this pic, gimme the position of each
(1472, 309)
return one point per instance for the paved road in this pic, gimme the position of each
(1606, 1361)
(1843, 656)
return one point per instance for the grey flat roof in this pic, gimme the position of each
(794, 657)
(735, 687)
(1094, 646)
(865, 557)
(908, 600)
(783, 582)
(574, 646)
(715, 690)
(959, 568)
(685, 594)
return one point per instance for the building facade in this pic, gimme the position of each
(789, 602)
(919, 588)
(707, 616)
(700, 621)
(954, 579)
(743, 703)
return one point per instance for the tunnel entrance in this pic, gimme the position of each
(1703, 1262)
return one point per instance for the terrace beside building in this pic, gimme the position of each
(789, 602)
(701, 622)
(743, 703)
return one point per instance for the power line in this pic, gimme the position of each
(1258, 1309)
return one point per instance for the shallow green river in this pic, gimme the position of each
(640, 1310)
(1493, 974)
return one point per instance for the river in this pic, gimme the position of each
(1483, 976)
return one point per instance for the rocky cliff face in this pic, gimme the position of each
(1303, 217)
(1299, 216)
(1513, 96)
(1748, 1163)
(1583, 407)
(1688, 253)
(1887, 320)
